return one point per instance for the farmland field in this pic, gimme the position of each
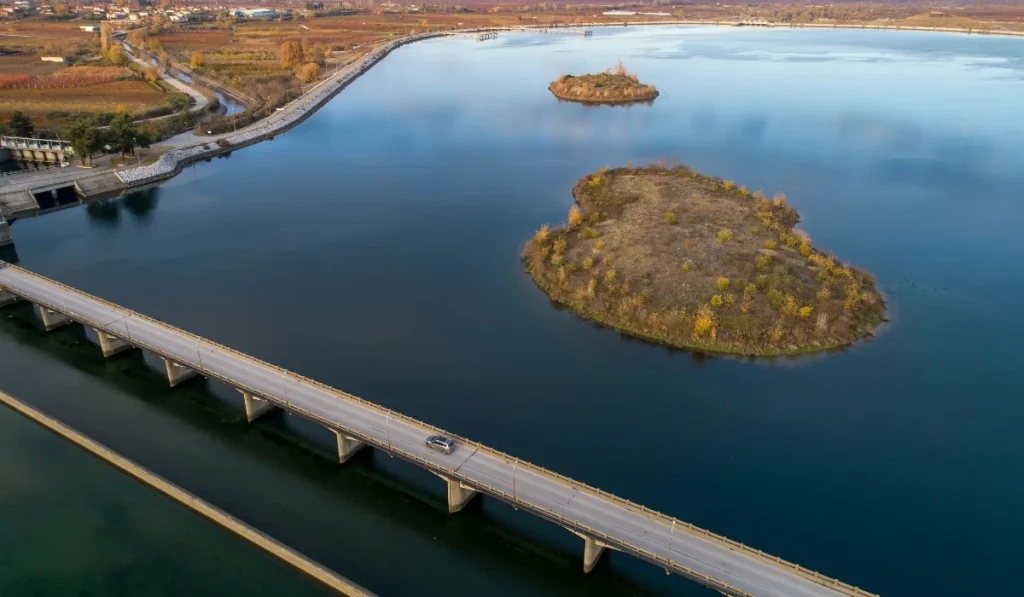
(25, 64)
(93, 98)
(48, 38)
(66, 78)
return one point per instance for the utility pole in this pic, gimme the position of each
(135, 147)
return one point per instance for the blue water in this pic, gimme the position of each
(375, 247)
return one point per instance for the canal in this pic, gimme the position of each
(375, 248)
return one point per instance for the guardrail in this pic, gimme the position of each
(33, 143)
(615, 543)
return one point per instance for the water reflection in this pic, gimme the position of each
(617, 104)
(104, 211)
(141, 203)
(398, 218)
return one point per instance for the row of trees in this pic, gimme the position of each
(121, 135)
(86, 136)
(19, 125)
(306, 62)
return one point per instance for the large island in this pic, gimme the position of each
(670, 255)
(610, 87)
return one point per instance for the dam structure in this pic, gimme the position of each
(38, 151)
(601, 520)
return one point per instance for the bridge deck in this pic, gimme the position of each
(712, 560)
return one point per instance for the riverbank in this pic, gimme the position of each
(187, 148)
(172, 162)
(333, 580)
(670, 255)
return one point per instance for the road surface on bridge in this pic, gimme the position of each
(714, 561)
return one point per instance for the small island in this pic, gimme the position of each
(610, 87)
(670, 255)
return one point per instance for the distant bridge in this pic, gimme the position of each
(754, 23)
(603, 521)
(492, 32)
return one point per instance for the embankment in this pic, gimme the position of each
(172, 162)
(289, 555)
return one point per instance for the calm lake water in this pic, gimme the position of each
(376, 248)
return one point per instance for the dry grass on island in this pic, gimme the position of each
(610, 87)
(670, 255)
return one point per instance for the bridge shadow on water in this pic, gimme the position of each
(9, 254)
(280, 474)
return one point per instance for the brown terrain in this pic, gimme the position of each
(618, 87)
(52, 94)
(669, 255)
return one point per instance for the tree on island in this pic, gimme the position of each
(621, 71)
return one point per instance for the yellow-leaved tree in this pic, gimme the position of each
(308, 72)
(291, 54)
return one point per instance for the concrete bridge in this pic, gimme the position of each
(603, 521)
(40, 151)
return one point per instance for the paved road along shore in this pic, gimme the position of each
(296, 559)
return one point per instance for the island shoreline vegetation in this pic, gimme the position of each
(669, 255)
(617, 86)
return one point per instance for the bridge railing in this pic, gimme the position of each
(810, 575)
(30, 143)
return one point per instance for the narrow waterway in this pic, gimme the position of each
(230, 105)
(375, 248)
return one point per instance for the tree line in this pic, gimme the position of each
(86, 136)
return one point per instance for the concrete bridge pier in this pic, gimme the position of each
(592, 551)
(347, 446)
(255, 407)
(111, 345)
(178, 373)
(5, 233)
(52, 319)
(458, 494)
